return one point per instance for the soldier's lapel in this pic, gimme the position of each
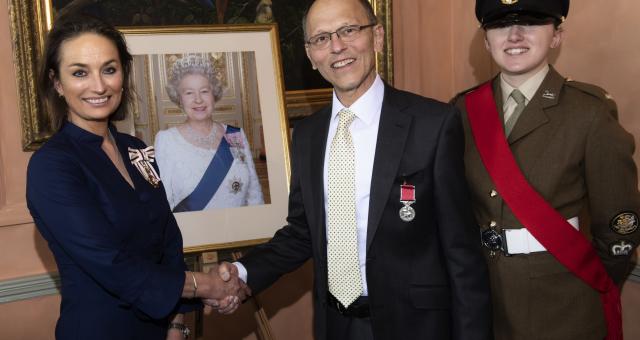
(534, 115)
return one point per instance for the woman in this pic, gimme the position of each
(545, 156)
(204, 164)
(96, 198)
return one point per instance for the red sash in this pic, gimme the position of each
(550, 228)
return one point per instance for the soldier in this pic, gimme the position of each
(553, 182)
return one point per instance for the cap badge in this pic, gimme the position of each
(508, 2)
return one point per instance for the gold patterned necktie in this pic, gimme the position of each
(511, 122)
(342, 239)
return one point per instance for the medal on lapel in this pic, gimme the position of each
(407, 198)
(142, 159)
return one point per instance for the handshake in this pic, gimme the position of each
(221, 288)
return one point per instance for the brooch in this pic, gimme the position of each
(142, 159)
(236, 145)
(236, 186)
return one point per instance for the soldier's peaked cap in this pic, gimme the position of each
(494, 13)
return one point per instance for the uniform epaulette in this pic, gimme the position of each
(463, 93)
(597, 92)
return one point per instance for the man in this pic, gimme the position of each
(378, 200)
(546, 156)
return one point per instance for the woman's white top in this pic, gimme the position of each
(182, 165)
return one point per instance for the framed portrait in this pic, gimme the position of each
(231, 75)
(305, 90)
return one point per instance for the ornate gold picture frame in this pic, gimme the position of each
(250, 54)
(30, 20)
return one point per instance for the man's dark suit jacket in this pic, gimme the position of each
(427, 278)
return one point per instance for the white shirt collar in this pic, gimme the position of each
(528, 88)
(367, 106)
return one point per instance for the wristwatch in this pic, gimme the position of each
(182, 328)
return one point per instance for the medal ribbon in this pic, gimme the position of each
(407, 193)
(564, 242)
(142, 159)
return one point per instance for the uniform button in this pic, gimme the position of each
(493, 224)
(493, 193)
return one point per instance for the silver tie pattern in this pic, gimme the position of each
(342, 239)
(511, 122)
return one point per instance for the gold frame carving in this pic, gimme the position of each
(30, 20)
(384, 61)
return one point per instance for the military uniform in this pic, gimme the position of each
(572, 150)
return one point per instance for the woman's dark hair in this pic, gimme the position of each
(68, 26)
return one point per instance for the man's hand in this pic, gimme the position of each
(234, 288)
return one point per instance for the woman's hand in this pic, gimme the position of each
(174, 334)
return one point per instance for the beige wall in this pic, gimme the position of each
(23, 253)
(439, 51)
(20, 254)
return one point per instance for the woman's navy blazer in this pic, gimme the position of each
(118, 249)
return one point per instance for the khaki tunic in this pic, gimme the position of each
(574, 152)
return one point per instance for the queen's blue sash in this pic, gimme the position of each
(212, 177)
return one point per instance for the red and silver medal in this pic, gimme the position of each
(407, 198)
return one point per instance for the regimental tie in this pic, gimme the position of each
(511, 122)
(342, 239)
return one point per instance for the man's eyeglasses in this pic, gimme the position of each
(345, 33)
